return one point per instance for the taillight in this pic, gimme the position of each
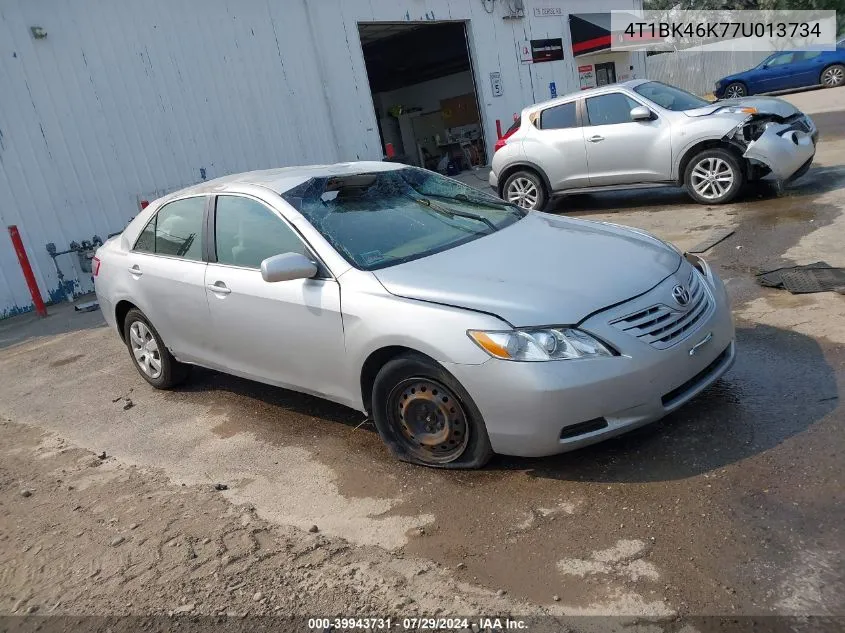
(95, 265)
(504, 139)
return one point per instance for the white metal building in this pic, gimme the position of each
(106, 104)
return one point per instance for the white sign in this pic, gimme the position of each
(587, 76)
(496, 83)
(546, 12)
(525, 54)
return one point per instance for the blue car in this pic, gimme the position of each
(786, 70)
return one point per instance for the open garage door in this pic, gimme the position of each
(424, 94)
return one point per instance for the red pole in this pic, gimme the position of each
(20, 251)
(499, 128)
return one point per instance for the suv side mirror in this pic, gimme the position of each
(287, 267)
(641, 113)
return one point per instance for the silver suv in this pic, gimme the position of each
(643, 134)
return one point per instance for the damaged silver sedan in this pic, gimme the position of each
(645, 133)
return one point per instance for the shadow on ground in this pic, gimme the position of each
(817, 181)
(780, 385)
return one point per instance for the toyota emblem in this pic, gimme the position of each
(680, 295)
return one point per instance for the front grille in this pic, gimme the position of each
(799, 122)
(679, 392)
(661, 326)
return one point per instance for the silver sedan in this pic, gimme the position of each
(461, 324)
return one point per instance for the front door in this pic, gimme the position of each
(287, 333)
(605, 74)
(621, 151)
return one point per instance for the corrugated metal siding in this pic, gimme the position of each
(124, 101)
(698, 71)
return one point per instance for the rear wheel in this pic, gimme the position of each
(525, 189)
(151, 357)
(735, 90)
(426, 417)
(713, 176)
(833, 76)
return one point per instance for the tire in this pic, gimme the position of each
(526, 190)
(708, 173)
(833, 76)
(735, 90)
(413, 397)
(147, 349)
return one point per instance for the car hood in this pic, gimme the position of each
(542, 270)
(764, 105)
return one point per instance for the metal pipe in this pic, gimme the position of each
(20, 251)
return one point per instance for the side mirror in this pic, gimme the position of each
(287, 267)
(641, 113)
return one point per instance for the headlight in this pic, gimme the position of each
(539, 344)
(717, 84)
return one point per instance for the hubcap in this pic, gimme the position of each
(145, 349)
(735, 91)
(430, 419)
(833, 76)
(523, 193)
(712, 178)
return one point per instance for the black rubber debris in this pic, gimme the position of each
(817, 277)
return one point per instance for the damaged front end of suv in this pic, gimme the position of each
(776, 145)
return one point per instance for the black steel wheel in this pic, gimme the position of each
(430, 418)
(426, 417)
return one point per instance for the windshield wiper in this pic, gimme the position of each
(452, 212)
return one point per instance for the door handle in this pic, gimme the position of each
(219, 288)
(135, 270)
(595, 139)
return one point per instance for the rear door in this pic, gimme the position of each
(622, 151)
(808, 67)
(288, 333)
(167, 276)
(557, 145)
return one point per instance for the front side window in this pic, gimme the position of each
(380, 219)
(559, 117)
(176, 230)
(669, 97)
(247, 233)
(610, 109)
(781, 60)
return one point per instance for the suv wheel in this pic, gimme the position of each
(150, 355)
(525, 189)
(713, 176)
(426, 417)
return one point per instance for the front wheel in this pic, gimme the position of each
(833, 76)
(426, 417)
(713, 176)
(735, 90)
(525, 189)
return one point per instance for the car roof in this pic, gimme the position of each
(284, 179)
(589, 92)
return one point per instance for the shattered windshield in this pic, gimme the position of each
(382, 219)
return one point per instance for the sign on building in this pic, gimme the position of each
(587, 76)
(496, 84)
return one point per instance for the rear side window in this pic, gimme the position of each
(247, 233)
(559, 118)
(176, 230)
(610, 109)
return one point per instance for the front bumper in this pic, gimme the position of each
(783, 150)
(543, 408)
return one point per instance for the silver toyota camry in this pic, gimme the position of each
(461, 324)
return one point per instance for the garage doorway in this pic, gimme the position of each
(424, 94)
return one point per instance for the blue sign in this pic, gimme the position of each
(553, 89)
